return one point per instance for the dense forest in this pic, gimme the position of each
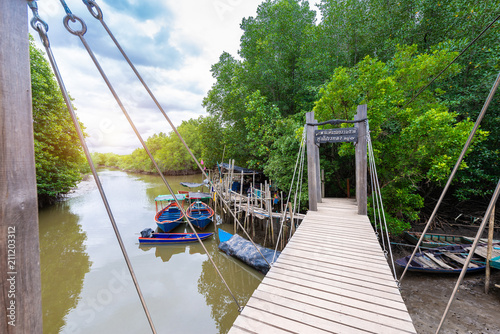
(374, 52)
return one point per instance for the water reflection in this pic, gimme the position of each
(85, 282)
(63, 263)
(239, 278)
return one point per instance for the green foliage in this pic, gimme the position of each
(415, 147)
(58, 156)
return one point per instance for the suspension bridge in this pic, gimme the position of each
(332, 277)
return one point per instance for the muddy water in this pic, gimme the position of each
(86, 287)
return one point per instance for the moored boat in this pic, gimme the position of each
(433, 240)
(169, 217)
(163, 238)
(200, 214)
(447, 259)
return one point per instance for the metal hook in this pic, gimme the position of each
(91, 5)
(75, 18)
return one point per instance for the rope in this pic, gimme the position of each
(80, 34)
(380, 204)
(40, 28)
(297, 162)
(447, 66)
(454, 171)
(91, 6)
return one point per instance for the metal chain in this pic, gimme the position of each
(42, 31)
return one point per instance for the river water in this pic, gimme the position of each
(86, 286)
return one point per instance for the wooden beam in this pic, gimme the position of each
(311, 164)
(20, 284)
(361, 162)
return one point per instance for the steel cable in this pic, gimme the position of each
(91, 6)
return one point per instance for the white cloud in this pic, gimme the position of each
(172, 43)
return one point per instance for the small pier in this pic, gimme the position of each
(332, 277)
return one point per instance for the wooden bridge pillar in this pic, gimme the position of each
(20, 285)
(361, 161)
(312, 164)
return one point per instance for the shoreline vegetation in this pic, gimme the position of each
(292, 61)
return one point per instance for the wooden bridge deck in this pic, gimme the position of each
(332, 277)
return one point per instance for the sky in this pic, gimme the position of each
(172, 43)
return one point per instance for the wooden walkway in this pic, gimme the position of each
(332, 277)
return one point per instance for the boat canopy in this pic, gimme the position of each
(199, 195)
(170, 198)
(239, 170)
(195, 185)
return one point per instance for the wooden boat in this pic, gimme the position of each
(495, 262)
(200, 214)
(448, 259)
(244, 250)
(173, 238)
(169, 217)
(432, 240)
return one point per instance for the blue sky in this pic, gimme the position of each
(172, 43)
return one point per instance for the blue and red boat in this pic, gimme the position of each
(200, 214)
(169, 217)
(172, 238)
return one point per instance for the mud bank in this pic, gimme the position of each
(472, 311)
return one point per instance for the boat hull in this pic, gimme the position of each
(200, 214)
(443, 260)
(173, 238)
(169, 217)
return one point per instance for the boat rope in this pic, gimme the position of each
(379, 207)
(455, 169)
(97, 13)
(472, 249)
(42, 28)
(80, 33)
(298, 165)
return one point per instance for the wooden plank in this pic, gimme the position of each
(337, 313)
(245, 321)
(340, 273)
(331, 277)
(336, 290)
(20, 284)
(350, 302)
(313, 322)
(275, 323)
(351, 262)
(336, 249)
(351, 286)
(340, 266)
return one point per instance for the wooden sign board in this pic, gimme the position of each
(341, 135)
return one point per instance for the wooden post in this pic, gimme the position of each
(489, 250)
(361, 162)
(311, 164)
(318, 169)
(20, 284)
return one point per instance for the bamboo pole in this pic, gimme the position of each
(490, 250)
(20, 283)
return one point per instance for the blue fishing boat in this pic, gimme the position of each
(169, 217)
(200, 214)
(147, 237)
